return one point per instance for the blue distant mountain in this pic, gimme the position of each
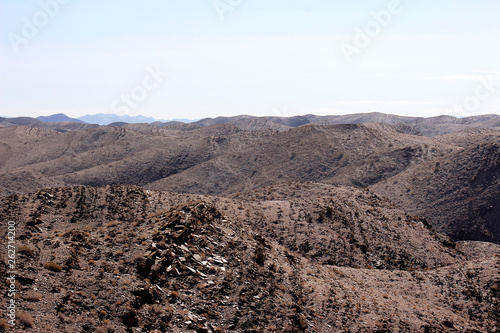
(106, 119)
(59, 118)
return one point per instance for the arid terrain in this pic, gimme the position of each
(450, 179)
(122, 258)
(361, 223)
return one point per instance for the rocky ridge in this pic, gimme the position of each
(125, 259)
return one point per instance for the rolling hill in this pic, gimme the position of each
(121, 258)
(224, 159)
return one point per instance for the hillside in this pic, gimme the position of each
(358, 155)
(459, 192)
(67, 124)
(98, 156)
(120, 258)
(343, 226)
(224, 159)
(212, 160)
(432, 126)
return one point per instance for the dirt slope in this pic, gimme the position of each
(119, 259)
(458, 192)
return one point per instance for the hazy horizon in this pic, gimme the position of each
(190, 120)
(225, 58)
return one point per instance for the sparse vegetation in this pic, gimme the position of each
(260, 256)
(4, 326)
(25, 249)
(33, 296)
(52, 266)
(25, 319)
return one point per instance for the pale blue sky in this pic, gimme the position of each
(274, 57)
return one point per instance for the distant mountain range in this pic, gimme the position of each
(59, 118)
(108, 118)
(432, 126)
(99, 119)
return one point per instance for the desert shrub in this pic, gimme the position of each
(260, 256)
(26, 250)
(52, 266)
(329, 211)
(321, 217)
(470, 273)
(158, 309)
(4, 326)
(33, 296)
(25, 319)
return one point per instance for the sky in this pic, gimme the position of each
(191, 59)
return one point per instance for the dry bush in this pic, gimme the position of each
(260, 256)
(52, 266)
(33, 296)
(158, 309)
(25, 249)
(25, 319)
(470, 273)
(174, 296)
(4, 326)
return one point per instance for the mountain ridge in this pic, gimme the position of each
(431, 126)
(59, 118)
